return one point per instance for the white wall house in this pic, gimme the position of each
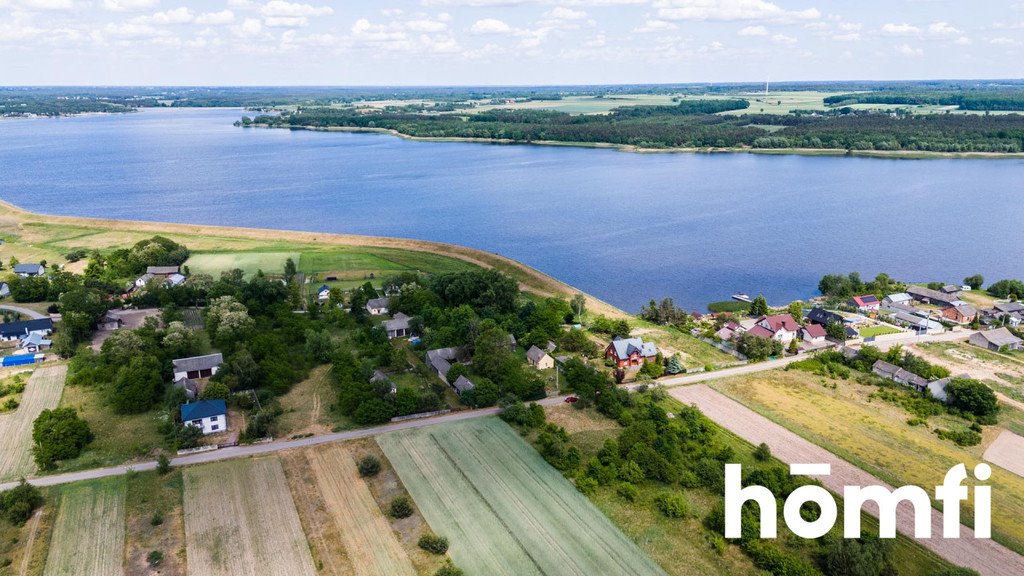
(209, 415)
(378, 306)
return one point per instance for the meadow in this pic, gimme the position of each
(89, 533)
(841, 417)
(240, 520)
(505, 510)
(42, 392)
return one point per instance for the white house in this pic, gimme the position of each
(323, 294)
(36, 342)
(901, 298)
(197, 367)
(781, 327)
(539, 358)
(813, 333)
(141, 281)
(378, 306)
(209, 415)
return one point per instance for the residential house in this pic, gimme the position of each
(379, 376)
(441, 361)
(1010, 313)
(823, 317)
(725, 333)
(190, 386)
(5, 290)
(813, 333)
(908, 309)
(630, 352)
(323, 293)
(197, 367)
(111, 321)
(398, 327)
(539, 359)
(462, 384)
(211, 416)
(899, 298)
(174, 280)
(143, 280)
(997, 339)
(917, 322)
(866, 303)
(929, 296)
(781, 327)
(378, 306)
(899, 375)
(29, 270)
(164, 271)
(962, 314)
(18, 330)
(35, 342)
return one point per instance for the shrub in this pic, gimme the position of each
(628, 491)
(960, 437)
(586, 485)
(449, 569)
(673, 505)
(433, 543)
(157, 519)
(155, 558)
(762, 453)
(163, 465)
(18, 503)
(400, 507)
(58, 434)
(369, 466)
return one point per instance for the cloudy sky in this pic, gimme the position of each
(482, 42)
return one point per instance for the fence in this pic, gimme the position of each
(420, 415)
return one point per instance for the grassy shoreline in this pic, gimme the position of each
(883, 154)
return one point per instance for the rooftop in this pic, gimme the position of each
(203, 409)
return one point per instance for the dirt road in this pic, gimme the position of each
(985, 556)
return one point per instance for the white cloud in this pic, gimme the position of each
(281, 8)
(963, 41)
(425, 25)
(753, 31)
(215, 18)
(943, 29)
(563, 13)
(729, 10)
(180, 15)
(656, 26)
(490, 26)
(285, 21)
(900, 30)
(848, 37)
(783, 39)
(908, 50)
(46, 4)
(1003, 41)
(128, 5)
(130, 30)
(250, 28)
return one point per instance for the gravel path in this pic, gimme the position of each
(985, 556)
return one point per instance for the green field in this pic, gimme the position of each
(88, 536)
(249, 262)
(503, 508)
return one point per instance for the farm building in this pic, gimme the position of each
(997, 339)
(29, 270)
(962, 314)
(175, 280)
(209, 415)
(398, 327)
(462, 384)
(190, 386)
(164, 271)
(143, 280)
(110, 321)
(441, 360)
(929, 296)
(917, 322)
(630, 352)
(866, 303)
(539, 359)
(898, 298)
(197, 367)
(18, 330)
(378, 306)
(899, 375)
(21, 360)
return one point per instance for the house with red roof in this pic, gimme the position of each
(866, 303)
(813, 333)
(781, 327)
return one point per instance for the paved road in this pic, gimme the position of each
(985, 556)
(24, 311)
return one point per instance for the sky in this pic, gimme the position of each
(503, 42)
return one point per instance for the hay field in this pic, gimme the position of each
(42, 392)
(505, 510)
(214, 263)
(240, 520)
(366, 534)
(88, 536)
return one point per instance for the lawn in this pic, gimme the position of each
(503, 508)
(877, 330)
(694, 353)
(307, 406)
(88, 535)
(42, 392)
(214, 263)
(874, 436)
(240, 520)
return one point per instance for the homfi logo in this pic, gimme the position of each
(950, 493)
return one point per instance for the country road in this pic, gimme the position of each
(983, 555)
(23, 311)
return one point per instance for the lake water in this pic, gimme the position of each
(624, 227)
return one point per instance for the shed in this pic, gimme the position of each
(462, 384)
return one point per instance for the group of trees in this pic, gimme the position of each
(1013, 289)
(964, 99)
(841, 286)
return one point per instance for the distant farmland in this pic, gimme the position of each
(42, 392)
(505, 510)
(240, 520)
(88, 537)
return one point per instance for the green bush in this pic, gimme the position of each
(762, 453)
(157, 519)
(58, 434)
(673, 505)
(369, 466)
(163, 465)
(628, 491)
(400, 507)
(960, 437)
(586, 485)
(449, 569)
(18, 503)
(155, 558)
(433, 543)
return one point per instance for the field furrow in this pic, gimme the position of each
(41, 393)
(371, 545)
(88, 536)
(240, 520)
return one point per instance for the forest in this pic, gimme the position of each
(962, 99)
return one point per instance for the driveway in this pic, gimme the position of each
(24, 311)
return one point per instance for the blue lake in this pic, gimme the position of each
(624, 227)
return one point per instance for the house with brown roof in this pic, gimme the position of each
(781, 327)
(962, 314)
(813, 333)
(539, 359)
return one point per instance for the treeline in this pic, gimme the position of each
(857, 130)
(685, 107)
(1011, 100)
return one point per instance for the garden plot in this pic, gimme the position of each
(88, 536)
(41, 393)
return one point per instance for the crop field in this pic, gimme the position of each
(348, 261)
(367, 537)
(249, 262)
(42, 392)
(874, 436)
(240, 520)
(88, 535)
(505, 510)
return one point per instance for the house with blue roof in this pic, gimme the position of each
(211, 416)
